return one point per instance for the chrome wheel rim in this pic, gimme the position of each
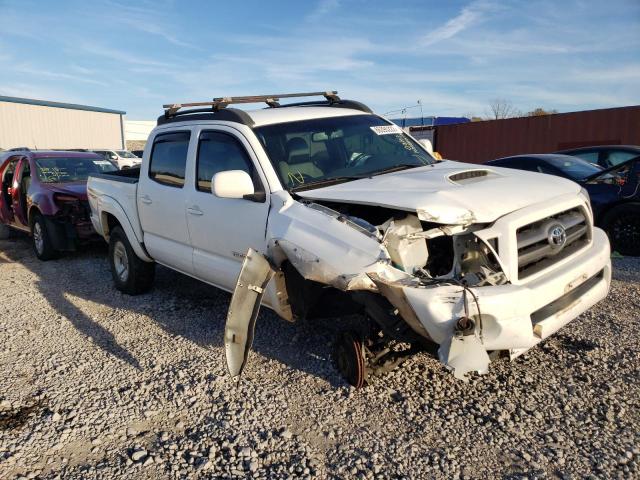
(38, 237)
(121, 261)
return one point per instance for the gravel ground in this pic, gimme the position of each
(94, 383)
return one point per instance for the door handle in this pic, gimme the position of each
(195, 210)
(146, 199)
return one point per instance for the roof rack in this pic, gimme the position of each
(272, 100)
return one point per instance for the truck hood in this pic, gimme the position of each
(449, 192)
(77, 189)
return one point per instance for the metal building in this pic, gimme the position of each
(41, 124)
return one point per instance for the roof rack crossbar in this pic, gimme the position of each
(272, 100)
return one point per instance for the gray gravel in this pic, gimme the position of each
(94, 383)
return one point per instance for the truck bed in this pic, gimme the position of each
(128, 175)
(115, 193)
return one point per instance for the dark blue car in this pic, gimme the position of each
(614, 192)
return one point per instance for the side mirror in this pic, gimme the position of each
(232, 184)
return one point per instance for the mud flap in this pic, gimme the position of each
(254, 276)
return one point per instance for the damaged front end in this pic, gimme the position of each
(437, 280)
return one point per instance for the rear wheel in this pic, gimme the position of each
(622, 224)
(41, 239)
(349, 359)
(130, 274)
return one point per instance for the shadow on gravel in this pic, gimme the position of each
(179, 304)
(53, 286)
(18, 417)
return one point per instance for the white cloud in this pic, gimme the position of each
(470, 15)
(323, 7)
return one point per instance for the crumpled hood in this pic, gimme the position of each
(443, 193)
(77, 189)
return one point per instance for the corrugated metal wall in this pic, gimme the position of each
(37, 126)
(478, 142)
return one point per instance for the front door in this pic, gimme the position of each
(6, 197)
(223, 229)
(21, 183)
(162, 201)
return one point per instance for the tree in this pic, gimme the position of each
(540, 111)
(501, 108)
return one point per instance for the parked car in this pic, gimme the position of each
(44, 193)
(605, 155)
(325, 210)
(614, 192)
(137, 153)
(120, 158)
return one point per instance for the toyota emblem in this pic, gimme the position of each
(557, 236)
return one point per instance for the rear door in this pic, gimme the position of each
(223, 229)
(161, 200)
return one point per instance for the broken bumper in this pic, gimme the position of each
(516, 317)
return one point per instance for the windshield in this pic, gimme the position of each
(125, 154)
(575, 168)
(320, 151)
(70, 169)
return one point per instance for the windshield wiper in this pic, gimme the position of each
(393, 168)
(346, 178)
(326, 182)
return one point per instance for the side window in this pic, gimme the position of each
(218, 152)
(616, 158)
(7, 179)
(169, 158)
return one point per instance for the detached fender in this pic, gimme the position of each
(109, 206)
(254, 276)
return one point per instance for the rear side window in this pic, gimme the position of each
(169, 158)
(616, 158)
(219, 152)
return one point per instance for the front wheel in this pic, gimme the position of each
(349, 359)
(622, 224)
(130, 274)
(41, 239)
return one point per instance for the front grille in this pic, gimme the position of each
(537, 249)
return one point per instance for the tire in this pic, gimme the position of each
(348, 355)
(622, 224)
(41, 239)
(130, 274)
(5, 232)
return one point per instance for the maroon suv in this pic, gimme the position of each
(45, 193)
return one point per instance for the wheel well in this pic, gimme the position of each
(110, 221)
(313, 300)
(33, 211)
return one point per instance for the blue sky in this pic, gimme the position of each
(455, 56)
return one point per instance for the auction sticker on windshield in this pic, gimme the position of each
(386, 130)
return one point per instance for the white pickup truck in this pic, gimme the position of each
(324, 210)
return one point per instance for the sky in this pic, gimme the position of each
(455, 57)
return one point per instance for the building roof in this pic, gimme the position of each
(71, 106)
